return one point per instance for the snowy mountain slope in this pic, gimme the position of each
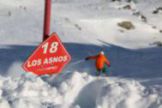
(85, 27)
(99, 20)
(20, 22)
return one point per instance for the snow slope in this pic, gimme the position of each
(85, 27)
(77, 90)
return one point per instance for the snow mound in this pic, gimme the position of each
(76, 90)
(129, 94)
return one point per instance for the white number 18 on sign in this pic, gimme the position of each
(52, 48)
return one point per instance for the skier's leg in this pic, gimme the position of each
(98, 72)
(106, 70)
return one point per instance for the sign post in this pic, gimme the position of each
(47, 18)
(50, 56)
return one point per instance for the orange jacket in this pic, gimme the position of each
(100, 60)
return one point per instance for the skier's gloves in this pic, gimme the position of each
(86, 58)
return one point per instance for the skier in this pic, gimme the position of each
(101, 63)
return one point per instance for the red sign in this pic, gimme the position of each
(50, 57)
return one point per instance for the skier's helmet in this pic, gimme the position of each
(102, 52)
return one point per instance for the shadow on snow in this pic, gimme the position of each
(141, 63)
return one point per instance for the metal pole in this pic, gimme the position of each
(47, 17)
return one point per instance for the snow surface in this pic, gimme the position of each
(85, 27)
(76, 90)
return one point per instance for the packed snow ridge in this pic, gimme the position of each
(76, 90)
